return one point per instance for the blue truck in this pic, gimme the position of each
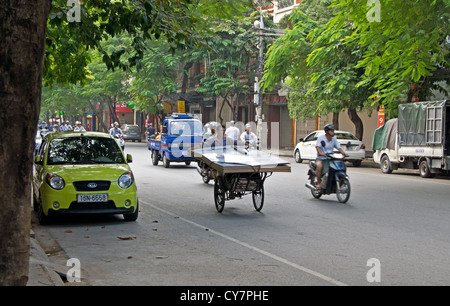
(180, 133)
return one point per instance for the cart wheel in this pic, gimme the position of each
(258, 198)
(219, 194)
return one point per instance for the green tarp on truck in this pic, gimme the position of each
(412, 126)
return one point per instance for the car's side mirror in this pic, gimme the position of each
(301, 140)
(129, 158)
(38, 160)
(164, 130)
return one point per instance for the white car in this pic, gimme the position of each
(306, 148)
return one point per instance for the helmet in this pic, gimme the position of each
(115, 123)
(232, 122)
(328, 127)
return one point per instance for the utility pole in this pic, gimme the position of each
(259, 74)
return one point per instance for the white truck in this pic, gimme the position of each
(418, 139)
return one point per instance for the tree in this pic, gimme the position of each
(156, 78)
(229, 61)
(402, 42)
(26, 31)
(318, 69)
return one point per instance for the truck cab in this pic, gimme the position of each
(180, 133)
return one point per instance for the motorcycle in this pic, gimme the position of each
(335, 180)
(205, 171)
(120, 141)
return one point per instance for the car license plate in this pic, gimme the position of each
(88, 198)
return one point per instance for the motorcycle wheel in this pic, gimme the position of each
(343, 191)
(315, 194)
(206, 178)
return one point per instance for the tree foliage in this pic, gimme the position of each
(409, 44)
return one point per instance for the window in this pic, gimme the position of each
(186, 128)
(285, 3)
(312, 137)
(434, 125)
(345, 136)
(84, 150)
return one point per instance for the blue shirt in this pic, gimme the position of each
(329, 145)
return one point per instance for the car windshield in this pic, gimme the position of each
(133, 129)
(186, 128)
(84, 150)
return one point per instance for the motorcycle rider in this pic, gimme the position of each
(115, 130)
(248, 137)
(330, 143)
(233, 131)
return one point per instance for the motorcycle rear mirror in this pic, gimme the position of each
(322, 143)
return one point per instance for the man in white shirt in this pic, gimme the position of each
(233, 131)
(248, 137)
(325, 145)
(79, 127)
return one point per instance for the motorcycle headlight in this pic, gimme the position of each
(125, 180)
(55, 181)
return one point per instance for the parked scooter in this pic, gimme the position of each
(335, 180)
(120, 141)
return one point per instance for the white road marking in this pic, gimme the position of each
(268, 254)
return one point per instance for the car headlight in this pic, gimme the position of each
(55, 181)
(125, 180)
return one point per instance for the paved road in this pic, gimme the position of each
(399, 220)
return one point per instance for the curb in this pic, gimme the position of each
(41, 272)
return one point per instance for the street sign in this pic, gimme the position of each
(181, 106)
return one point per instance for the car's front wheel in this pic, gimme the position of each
(298, 157)
(132, 216)
(43, 219)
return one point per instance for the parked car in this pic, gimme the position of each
(306, 148)
(83, 173)
(131, 132)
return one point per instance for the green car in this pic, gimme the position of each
(83, 173)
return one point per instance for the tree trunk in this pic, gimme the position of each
(336, 120)
(99, 116)
(23, 27)
(359, 127)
